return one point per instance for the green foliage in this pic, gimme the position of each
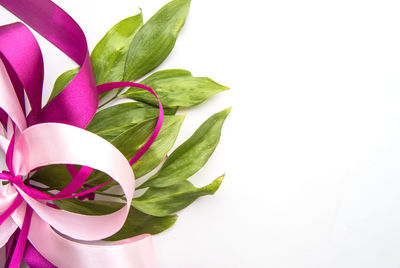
(130, 141)
(164, 201)
(109, 55)
(128, 51)
(54, 176)
(192, 155)
(62, 81)
(155, 40)
(175, 88)
(113, 121)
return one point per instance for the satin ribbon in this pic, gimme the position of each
(54, 135)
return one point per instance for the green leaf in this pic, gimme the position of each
(130, 141)
(134, 138)
(160, 147)
(112, 121)
(53, 176)
(175, 88)
(137, 222)
(109, 55)
(62, 81)
(192, 155)
(164, 201)
(155, 40)
(57, 177)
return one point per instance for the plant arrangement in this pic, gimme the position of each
(129, 51)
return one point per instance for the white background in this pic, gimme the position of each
(311, 149)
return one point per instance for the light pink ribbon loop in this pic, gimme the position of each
(53, 143)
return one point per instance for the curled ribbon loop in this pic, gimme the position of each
(77, 103)
(54, 134)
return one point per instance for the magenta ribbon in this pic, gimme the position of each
(54, 134)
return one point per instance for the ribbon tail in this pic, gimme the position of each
(34, 259)
(10, 246)
(22, 238)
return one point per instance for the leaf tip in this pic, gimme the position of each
(220, 178)
(138, 13)
(216, 183)
(180, 117)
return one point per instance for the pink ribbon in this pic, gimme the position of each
(54, 135)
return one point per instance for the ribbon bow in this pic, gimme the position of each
(54, 134)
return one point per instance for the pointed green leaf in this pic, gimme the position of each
(134, 138)
(109, 55)
(131, 140)
(160, 147)
(155, 40)
(62, 81)
(164, 201)
(137, 222)
(54, 176)
(192, 155)
(175, 88)
(112, 121)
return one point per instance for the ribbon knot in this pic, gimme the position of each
(6, 176)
